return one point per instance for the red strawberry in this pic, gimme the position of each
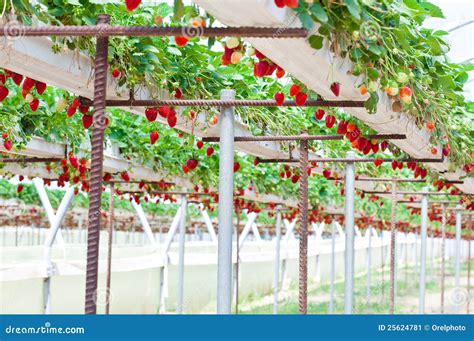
(280, 72)
(375, 148)
(172, 120)
(236, 166)
(192, 164)
(367, 149)
(341, 127)
(83, 109)
(291, 3)
(34, 104)
(164, 111)
(181, 41)
(209, 151)
(125, 177)
(446, 151)
(330, 121)
(400, 165)
(71, 110)
(361, 143)
(255, 162)
(86, 121)
(151, 114)
(75, 102)
(3, 92)
(28, 85)
(154, 136)
(8, 145)
(394, 165)
(295, 90)
(378, 162)
(295, 178)
(4, 135)
(21, 178)
(383, 145)
(178, 93)
(17, 78)
(107, 177)
(40, 87)
(319, 114)
(19, 189)
(261, 68)
(132, 4)
(279, 98)
(335, 88)
(199, 144)
(280, 3)
(327, 173)
(115, 73)
(423, 173)
(301, 98)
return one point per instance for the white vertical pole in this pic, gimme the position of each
(226, 198)
(457, 249)
(349, 222)
(424, 230)
(182, 239)
(276, 278)
(208, 223)
(369, 263)
(333, 267)
(143, 219)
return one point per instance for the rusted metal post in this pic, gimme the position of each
(95, 192)
(110, 229)
(393, 236)
(303, 243)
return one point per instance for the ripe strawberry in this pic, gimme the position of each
(17, 78)
(192, 164)
(394, 165)
(434, 150)
(132, 4)
(34, 104)
(405, 94)
(351, 127)
(181, 41)
(178, 93)
(378, 162)
(236, 166)
(154, 136)
(40, 87)
(3, 92)
(342, 128)
(261, 68)
(335, 88)
(115, 73)
(330, 121)
(255, 162)
(423, 173)
(86, 121)
(8, 145)
(280, 72)
(107, 177)
(213, 121)
(75, 102)
(446, 150)
(319, 114)
(151, 114)
(375, 147)
(83, 109)
(199, 144)
(19, 189)
(383, 145)
(209, 151)
(361, 143)
(301, 98)
(295, 90)
(125, 177)
(164, 111)
(327, 173)
(192, 115)
(172, 120)
(4, 135)
(70, 111)
(28, 84)
(279, 98)
(280, 3)
(291, 3)
(295, 178)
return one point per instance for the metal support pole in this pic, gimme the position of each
(443, 247)
(369, 264)
(457, 250)
(423, 232)
(303, 242)
(276, 275)
(349, 222)
(95, 192)
(145, 224)
(110, 229)
(182, 240)
(393, 236)
(226, 200)
(333, 267)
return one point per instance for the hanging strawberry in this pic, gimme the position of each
(335, 88)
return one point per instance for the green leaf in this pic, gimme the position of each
(356, 53)
(319, 13)
(178, 10)
(315, 41)
(373, 73)
(353, 7)
(174, 50)
(371, 103)
(306, 20)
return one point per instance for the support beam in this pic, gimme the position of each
(226, 199)
(209, 225)
(182, 241)
(333, 267)
(443, 256)
(276, 274)
(349, 222)
(368, 235)
(423, 233)
(256, 233)
(144, 220)
(303, 240)
(248, 225)
(457, 250)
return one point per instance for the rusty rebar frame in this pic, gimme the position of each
(191, 194)
(346, 160)
(413, 193)
(30, 159)
(157, 31)
(97, 156)
(302, 137)
(303, 242)
(386, 179)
